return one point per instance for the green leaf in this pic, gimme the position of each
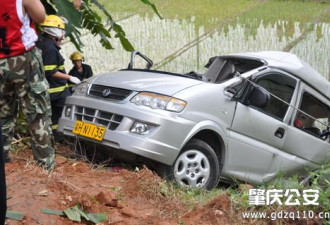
(94, 24)
(14, 215)
(88, 18)
(106, 43)
(66, 9)
(116, 28)
(82, 213)
(72, 214)
(76, 41)
(97, 217)
(52, 212)
(101, 7)
(125, 43)
(147, 2)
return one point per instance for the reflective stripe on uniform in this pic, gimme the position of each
(54, 127)
(50, 67)
(58, 89)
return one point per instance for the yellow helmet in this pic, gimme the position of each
(53, 21)
(76, 56)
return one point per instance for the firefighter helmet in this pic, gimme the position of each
(54, 26)
(54, 21)
(76, 56)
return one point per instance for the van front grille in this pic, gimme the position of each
(110, 93)
(109, 120)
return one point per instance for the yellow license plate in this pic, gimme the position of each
(89, 130)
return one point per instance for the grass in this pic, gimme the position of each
(291, 11)
(210, 10)
(216, 13)
(204, 12)
(306, 12)
(320, 180)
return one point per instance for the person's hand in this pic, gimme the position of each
(74, 80)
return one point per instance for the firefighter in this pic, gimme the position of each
(80, 69)
(22, 80)
(53, 32)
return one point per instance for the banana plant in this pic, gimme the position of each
(86, 17)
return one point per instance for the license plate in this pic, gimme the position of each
(89, 130)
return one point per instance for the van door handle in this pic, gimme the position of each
(279, 132)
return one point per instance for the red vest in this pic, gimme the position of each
(17, 32)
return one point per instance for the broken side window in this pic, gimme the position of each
(313, 116)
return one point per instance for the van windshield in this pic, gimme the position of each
(221, 69)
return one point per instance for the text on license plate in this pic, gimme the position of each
(89, 130)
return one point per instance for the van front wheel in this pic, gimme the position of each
(196, 166)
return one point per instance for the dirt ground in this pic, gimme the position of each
(128, 197)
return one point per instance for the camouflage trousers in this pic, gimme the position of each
(23, 85)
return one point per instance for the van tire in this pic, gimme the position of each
(196, 166)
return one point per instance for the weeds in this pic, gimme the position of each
(318, 180)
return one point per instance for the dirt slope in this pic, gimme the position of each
(126, 196)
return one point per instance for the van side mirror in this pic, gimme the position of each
(257, 97)
(230, 92)
(324, 135)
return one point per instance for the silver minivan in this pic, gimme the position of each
(250, 116)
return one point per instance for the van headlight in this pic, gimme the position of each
(157, 101)
(81, 88)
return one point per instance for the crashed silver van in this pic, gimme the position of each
(250, 116)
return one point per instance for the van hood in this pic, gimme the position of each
(161, 83)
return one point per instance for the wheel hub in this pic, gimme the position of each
(192, 168)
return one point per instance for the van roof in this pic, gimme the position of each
(291, 63)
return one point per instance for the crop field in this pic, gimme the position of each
(192, 31)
